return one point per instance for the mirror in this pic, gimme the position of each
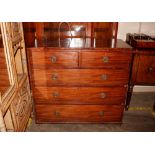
(4, 77)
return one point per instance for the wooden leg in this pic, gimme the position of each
(129, 94)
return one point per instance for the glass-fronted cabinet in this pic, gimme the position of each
(15, 96)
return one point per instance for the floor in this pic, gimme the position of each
(139, 118)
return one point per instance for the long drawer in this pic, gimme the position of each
(80, 95)
(105, 59)
(78, 114)
(45, 58)
(79, 77)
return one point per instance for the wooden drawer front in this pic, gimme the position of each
(42, 59)
(80, 77)
(146, 70)
(79, 95)
(105, 60)
(77, 113)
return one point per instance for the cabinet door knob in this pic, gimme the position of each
(54, 77)
(56, 113)
(103, 95)
(104, 77)
(105, 59)
(55, 94)
(101, 113)
(53, 59)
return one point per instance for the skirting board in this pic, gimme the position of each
(144, 89)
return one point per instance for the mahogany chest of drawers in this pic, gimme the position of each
(78, 85)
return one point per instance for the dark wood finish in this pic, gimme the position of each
(29, 33)
(79, 95)
(102, 30)
(143, 67)
(82, 77)
(47, 31)
(143, 44)
(107, 59)
(47, 58)
(77, 113)
(143, 71)
(146, 70)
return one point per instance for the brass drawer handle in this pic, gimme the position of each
(54, 77)
(104, 77)
(56, 113)
(55, 94)
(105, 59)
(53, 59)
(103, 95)
(150, 69)
(101, 113)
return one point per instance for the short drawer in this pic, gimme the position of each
(78, 114)
(80, 77)
(105, 60)
(45, 58)
(80, 95)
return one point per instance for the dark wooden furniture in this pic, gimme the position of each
(143, 66)
(80, 79)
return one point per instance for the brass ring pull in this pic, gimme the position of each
(56, 113)
(55, 94)
(54, 77)
(103, 95)
(53, 59)
(105, 59)
(101, 113)
(104, 77)
(150, 69)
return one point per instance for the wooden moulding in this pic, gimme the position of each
(2, 124)
(13, 41)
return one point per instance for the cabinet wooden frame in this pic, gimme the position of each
(12, 34)
(5, 99)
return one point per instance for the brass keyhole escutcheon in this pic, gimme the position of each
(105, 59)
(103, 95)
(104, 77)
(54, 77)
(55, 94)
(101, 113)
(53, 59)
(56, 113)
(150, 69)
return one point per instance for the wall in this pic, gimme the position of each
(137, 27)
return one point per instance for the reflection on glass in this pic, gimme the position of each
(4, 78)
